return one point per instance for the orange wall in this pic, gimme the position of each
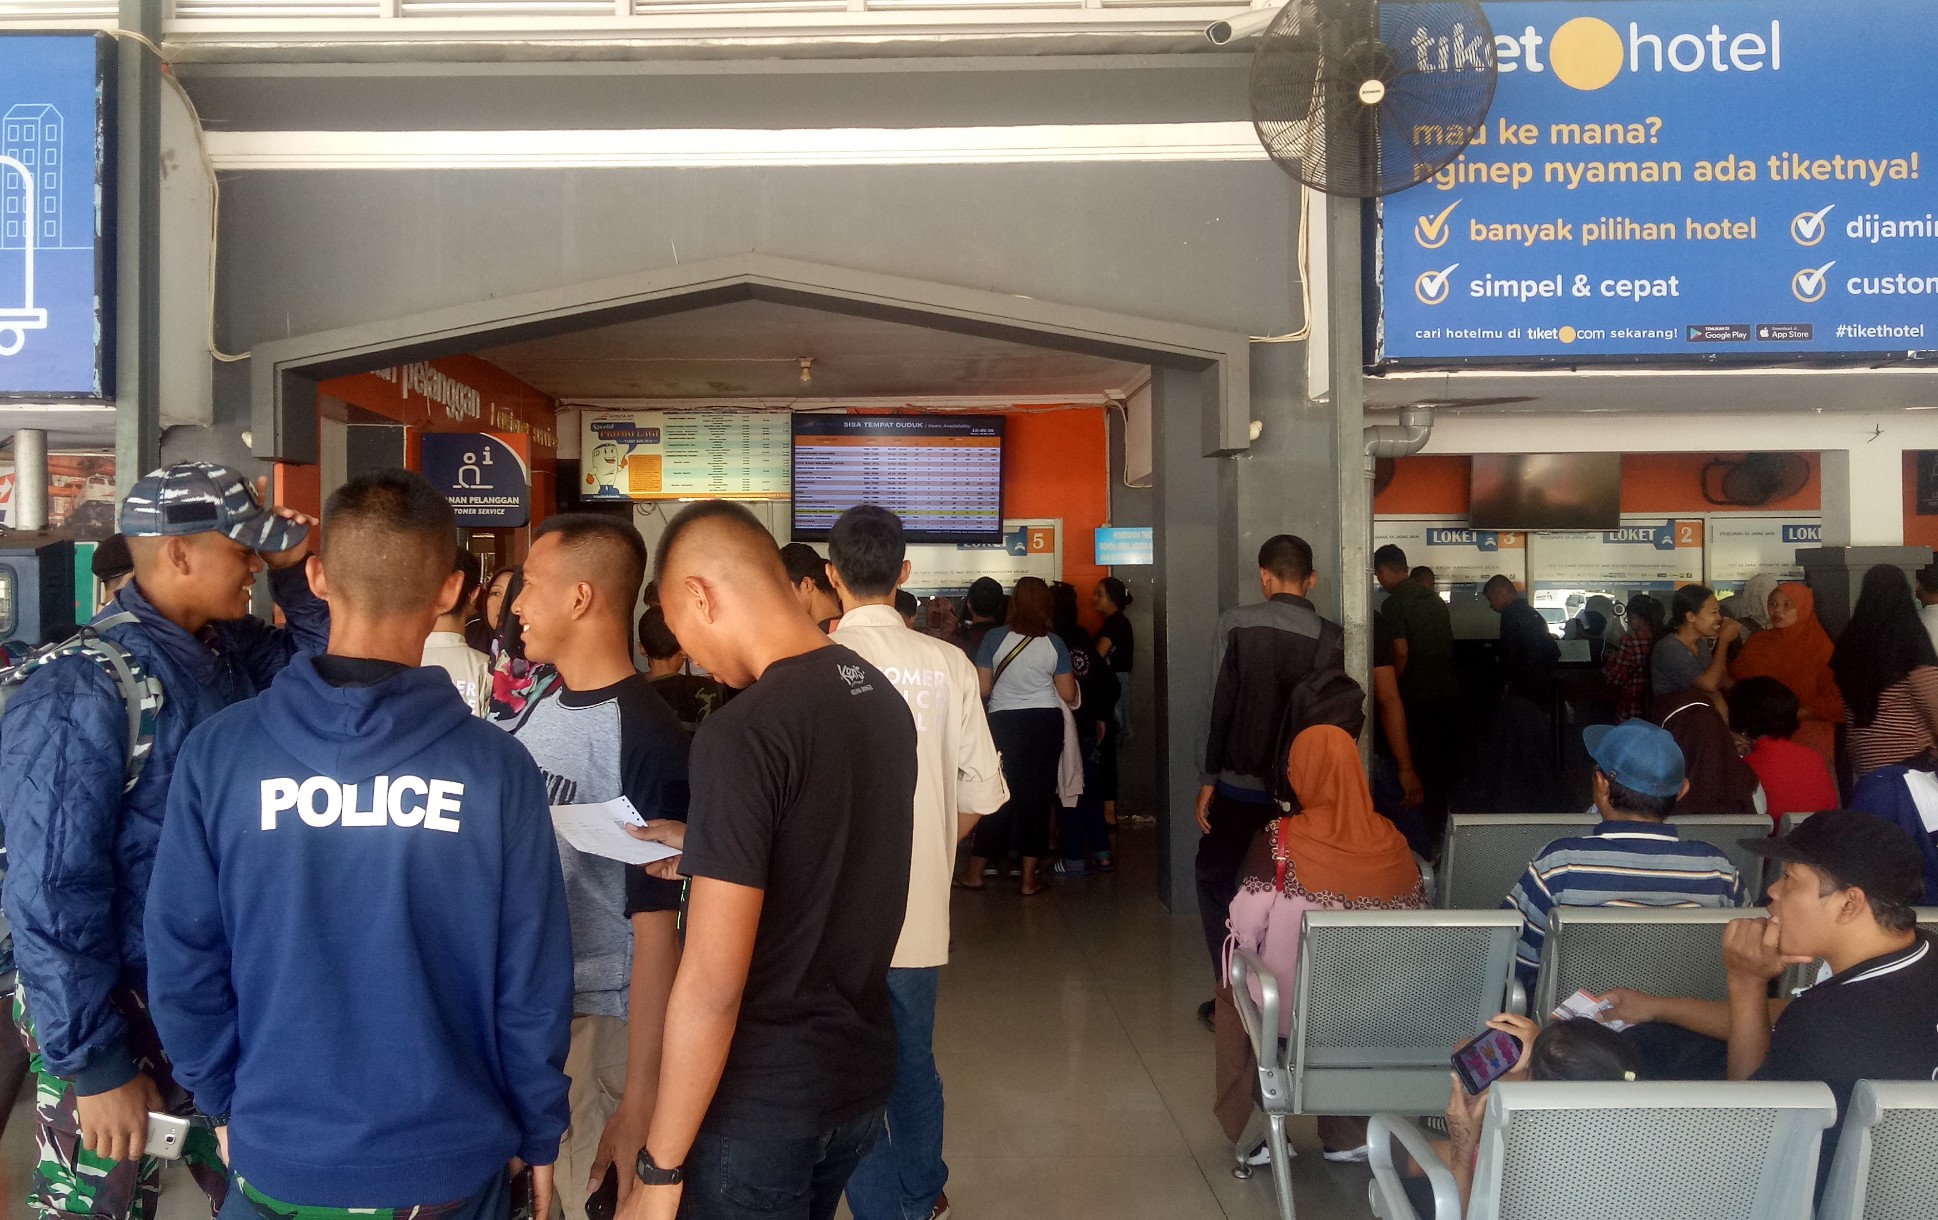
(1429, 484)
(1663, 483)
(1918, 531)
(506, 404)
(1056, 465)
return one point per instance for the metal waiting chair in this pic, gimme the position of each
(1486, 853)
(1726, 831)
(1661, 950)
(1884, 1168)
(1383, 997)
(1588, 1151)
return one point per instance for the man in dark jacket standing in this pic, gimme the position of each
(1262, 652)
(81, 842)
(362, 960)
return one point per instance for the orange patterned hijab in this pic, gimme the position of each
(1339, 844)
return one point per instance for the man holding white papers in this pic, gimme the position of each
(602, 733)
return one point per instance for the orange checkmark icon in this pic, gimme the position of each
(1432, 232)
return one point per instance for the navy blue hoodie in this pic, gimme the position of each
(358, 946)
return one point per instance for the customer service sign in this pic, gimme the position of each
(1680, 179)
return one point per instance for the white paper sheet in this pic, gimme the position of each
(600, 830)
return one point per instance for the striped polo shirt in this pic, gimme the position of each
(1618, 864)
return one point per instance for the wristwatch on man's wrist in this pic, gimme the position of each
(652, 1175)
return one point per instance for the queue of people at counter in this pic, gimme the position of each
(1773, 713)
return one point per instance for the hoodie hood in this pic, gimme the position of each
(355, 732)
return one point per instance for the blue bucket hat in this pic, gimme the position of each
(200, 497)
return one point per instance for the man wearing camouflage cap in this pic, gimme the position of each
(81, 834)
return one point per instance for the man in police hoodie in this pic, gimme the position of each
(357, 935)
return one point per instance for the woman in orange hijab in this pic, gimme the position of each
(1337, 854)
(1796, 652)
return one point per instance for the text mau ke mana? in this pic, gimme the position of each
(1787, 166)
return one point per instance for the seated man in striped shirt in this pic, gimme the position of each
(1631, 859)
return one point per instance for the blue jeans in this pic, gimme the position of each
(902, 1177)
(751, 1179)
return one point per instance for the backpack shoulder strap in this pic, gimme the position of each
(1332, 645)
(141, 692)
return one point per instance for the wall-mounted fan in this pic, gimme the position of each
(1363, 98)
(1754, 480)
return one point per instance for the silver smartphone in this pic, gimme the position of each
(166, 1135)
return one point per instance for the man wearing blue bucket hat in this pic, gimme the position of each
(1632, 858)
(87, 749)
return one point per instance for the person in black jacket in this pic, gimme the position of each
(1261, 653)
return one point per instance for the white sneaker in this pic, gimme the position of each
(1349, 1156)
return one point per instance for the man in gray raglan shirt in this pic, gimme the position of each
(600, 733)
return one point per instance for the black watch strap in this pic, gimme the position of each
(652, 1175)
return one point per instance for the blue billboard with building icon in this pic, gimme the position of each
(55, 302)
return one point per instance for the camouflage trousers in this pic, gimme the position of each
(492, 1203)
(71, 1181)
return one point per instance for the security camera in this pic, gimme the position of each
(1240, 25)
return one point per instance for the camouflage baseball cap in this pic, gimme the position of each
(197, 497)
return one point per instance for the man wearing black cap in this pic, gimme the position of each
(1849, 881)
(113, 565)
(84, 813)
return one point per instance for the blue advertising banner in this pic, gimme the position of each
(56, 316)
(1126, 544)
(1680, 179)
(484, 475)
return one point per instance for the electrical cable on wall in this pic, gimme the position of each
(215, 184)
(1305, 278)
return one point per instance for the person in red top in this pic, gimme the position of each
(1795, 777)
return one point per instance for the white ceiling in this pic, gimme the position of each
(753, 349)
(69, 426)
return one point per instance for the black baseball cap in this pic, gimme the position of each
(1857, 849)
(111, 558)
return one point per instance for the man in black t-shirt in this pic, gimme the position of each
(599, 734)
(780, 1037)
(1846, 894)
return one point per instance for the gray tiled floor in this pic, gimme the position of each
(1079, 1082)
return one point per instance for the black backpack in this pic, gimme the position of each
(1326, 694)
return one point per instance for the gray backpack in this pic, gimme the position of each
(140, 691)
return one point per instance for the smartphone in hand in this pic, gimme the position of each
(1486, 1059)
(166, 1135)
(524, 1196)
(602, 1203)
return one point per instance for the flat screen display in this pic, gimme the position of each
(941, 474)
(1546, 491)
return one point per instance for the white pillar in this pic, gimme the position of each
(30, 479)
(1864, 495)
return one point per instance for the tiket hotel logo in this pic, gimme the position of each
(1588, 53)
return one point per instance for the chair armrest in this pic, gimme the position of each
(1516, 1001)
(1261, 1020)
(1390, 1200)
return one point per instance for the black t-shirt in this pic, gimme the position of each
(802, 788)
(691, 697)
(1117, 630)
(1876, 1021)
(1384, 657)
